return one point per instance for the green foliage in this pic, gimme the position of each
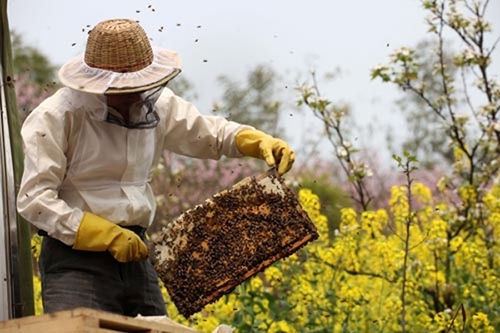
(408, 163)
(467, 119)
(31, 62)
(335, 119)
(331, 197)
(33, 76)
(183, 87)
(426, 140)
(253, 103)
(472, 132)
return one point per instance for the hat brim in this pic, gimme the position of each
(76, 74)
(125, 90)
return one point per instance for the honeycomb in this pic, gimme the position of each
(212, 248)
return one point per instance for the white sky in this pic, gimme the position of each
(234, 36)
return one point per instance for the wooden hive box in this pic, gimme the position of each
(84, 320)
(212, 248)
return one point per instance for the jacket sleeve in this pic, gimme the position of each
(44, 135)
(190, 133)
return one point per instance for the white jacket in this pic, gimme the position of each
(75, 161)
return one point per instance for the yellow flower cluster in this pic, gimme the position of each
(355, 282)
(481, 323)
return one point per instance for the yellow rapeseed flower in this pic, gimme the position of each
(422, 193)
(399, 204)
(36, 246)
(256, 284)
(281, 327)
(480, 320)
(273, 275)
(468, 193)
(311, 205)
(37, 290)
(348, 220)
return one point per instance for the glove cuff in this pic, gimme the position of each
(92, 231)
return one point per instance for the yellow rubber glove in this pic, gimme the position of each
(98, 234)
(274, 151)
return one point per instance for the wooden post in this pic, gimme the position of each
(21, 267)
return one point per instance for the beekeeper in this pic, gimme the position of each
(90, 150)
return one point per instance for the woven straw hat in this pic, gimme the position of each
(119, 59)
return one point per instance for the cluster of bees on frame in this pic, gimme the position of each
(214, 247)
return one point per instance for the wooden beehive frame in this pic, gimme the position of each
(211, 249)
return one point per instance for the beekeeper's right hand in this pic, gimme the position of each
(98, 234)
(275, 152)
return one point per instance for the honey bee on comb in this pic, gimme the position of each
(212, 248)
